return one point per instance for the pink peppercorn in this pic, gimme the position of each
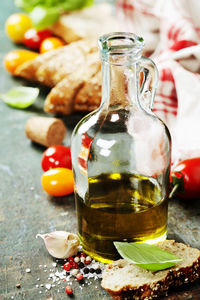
(75, 265)
(71, 259)
(69, 290)
(87, 262)
(67, 266)
(83, 254)
(79, 277)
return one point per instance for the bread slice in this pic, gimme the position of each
(62, 98)
(88, 22)
(51, 67)
(124, 280)
(67, 70)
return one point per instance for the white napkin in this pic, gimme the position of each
(171, 30)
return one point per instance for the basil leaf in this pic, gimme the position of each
(147, 256)
(43, 17)
(44, 13)
(20, 97)
(62, 5)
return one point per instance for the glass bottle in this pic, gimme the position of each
(121, 155)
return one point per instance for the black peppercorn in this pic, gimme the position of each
(98, 271)
(86, 270)
(81, 265)
(92, 270)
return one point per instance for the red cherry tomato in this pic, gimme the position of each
(34, 38)
(58, 156)
(58, 182)
(186, 177)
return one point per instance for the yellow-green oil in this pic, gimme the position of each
(120, 207)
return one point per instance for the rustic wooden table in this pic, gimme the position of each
(25, 209)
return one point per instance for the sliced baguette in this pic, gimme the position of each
(124, 280)
(88, 22)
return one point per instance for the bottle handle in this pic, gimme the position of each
(149, 82)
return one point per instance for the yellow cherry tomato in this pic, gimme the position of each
(15, 58)
(16, 25)
(58, 182)
(51, 44)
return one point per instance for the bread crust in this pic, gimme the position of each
(174, 277)
(73, 73)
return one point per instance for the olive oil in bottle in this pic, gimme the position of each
(120, 207)
(121, 154)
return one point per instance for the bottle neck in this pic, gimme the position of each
(120, 85)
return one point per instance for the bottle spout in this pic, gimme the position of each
(121, 47)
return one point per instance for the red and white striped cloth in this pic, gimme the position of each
(171, 30)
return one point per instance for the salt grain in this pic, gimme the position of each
(48, 286)
(65, 213)
(28, 270)
(54, 264)
(74, 272)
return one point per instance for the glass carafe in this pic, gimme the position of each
(121, 155)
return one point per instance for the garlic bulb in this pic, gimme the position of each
(60, 244)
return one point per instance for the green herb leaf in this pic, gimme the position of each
(43, 17)
(44, 13)
(20, 97)
(62, 5)
(147, 256)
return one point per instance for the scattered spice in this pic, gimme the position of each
(79, 277)
(92, 270)
(48, 286)
(68, 290)
(81, 265)
(67, 266)
(72, 269)
(18, 285)
(28, 270)
(86, 270)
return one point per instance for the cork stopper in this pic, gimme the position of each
(45, 131)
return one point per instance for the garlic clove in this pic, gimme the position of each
(60, 244)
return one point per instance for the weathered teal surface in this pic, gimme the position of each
(26, 210)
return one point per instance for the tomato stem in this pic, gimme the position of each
(173, 191)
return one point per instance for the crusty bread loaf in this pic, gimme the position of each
(124, 280)
(92, 21)
(62, 97)
(51, 67)
(73, 73)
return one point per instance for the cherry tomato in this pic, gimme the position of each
(186, 178)
(16, 25)
(58, 182)
(57, 156)
(15, 58)
(34, 38)
(51, 44)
